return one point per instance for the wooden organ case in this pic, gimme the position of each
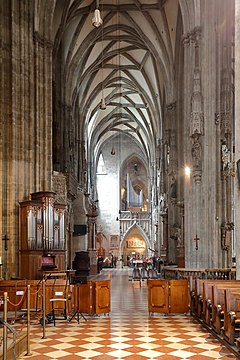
(42, 234)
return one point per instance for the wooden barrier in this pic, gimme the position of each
(91, 298)
(94, 297)
(168, 296)
(18, 301)
(173, 272)
(101, 296)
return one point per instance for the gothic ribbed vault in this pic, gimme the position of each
(129, 61)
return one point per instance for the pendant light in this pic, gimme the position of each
(103, 104)
(97, 20)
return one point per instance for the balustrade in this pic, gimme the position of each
(173, 272)
(139, 218)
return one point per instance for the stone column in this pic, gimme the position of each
(26, 113)
(237, 137)
(188, 68)
(43, 112)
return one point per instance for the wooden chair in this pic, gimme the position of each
(58, 308)
(59, 296)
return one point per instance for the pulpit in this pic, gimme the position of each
(42, 235)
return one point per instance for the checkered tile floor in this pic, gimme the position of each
(127, 333)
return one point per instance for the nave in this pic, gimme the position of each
(128, 332)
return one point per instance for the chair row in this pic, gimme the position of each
(144, 274)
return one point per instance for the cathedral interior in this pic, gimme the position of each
(120, 179)
(119, 133)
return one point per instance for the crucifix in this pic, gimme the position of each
(196, 239)
(6, 239)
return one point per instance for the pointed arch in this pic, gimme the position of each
(141, 232)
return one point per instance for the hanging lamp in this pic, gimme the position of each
(113, 151)
(103, 104)
(97, 20)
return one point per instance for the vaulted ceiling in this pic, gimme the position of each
(129, 61)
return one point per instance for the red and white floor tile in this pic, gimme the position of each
(128, 332)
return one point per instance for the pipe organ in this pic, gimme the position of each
(42, 233)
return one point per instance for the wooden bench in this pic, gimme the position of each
(195, 289)
(208, 296)
(231, 326)
(218, 303)
(199, 294)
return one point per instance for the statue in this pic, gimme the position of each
(225, 157)
(163, 203)
(197, 152)
(173, 187)
(91, 206)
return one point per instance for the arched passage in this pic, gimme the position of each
(135, 244)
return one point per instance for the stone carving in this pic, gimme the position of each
(175, 232)
(173, 188)
(91, 206)
(171, 154)
(196, 123)
(226, 235)
(197, 153)
(197, 118)
(60, 188)
(217, 118)
(192, 36)
(226, 123)
(163, 204)
(226, 158)
(225, 103)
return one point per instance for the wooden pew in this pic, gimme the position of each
(200, 293)
(195, 288)
(219, 303)
(208, 296)
(231, 327)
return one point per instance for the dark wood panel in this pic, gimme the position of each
(179, 296)
(158, 296)
(82, 297)
(31, 262)
(101, 296)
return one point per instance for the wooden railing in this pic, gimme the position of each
(171, 272)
